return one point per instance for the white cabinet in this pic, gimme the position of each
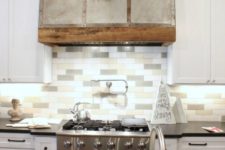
(171, 144)
(15, 141)
(22, 58)
(198, 54)
(45, 142)
(199, 143)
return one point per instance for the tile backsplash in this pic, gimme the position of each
(76, 68)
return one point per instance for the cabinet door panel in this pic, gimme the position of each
(24, 52)
(4, 38)
(190, 54)
(62, 12)
(106, 11)
(218, 40)
(152, 11)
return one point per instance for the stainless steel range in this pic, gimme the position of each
(106, 135)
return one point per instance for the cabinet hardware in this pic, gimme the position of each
(213, 81)
(208, 81)
(197, 144)
(9, 79)
(3, 79)
(45, 148)
(21, 141)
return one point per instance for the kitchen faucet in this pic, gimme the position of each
(156, 131)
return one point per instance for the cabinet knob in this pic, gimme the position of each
(9, 79)
(208, 81)
(3, 79)
(45, 148)
(213, 81)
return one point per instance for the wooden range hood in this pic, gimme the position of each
(89, 25)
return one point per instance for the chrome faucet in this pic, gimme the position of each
(156, 131)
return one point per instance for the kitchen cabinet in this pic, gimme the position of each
(23, 59)
(15, 141)
(45, 142)
(171, 144)
(199, 143)
(198, 53)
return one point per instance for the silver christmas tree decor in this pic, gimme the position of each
(162, 111)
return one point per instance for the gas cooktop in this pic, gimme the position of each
(100, 125)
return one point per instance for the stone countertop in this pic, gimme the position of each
(52, 131)
(170, 131)
(191, 129)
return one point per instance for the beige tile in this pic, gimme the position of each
(180, 95)
(204, 112)
(65, 77)
(49, 88)
(32, 99)
(143, 106)
(40, 105)
(195, 107)
(214, 96)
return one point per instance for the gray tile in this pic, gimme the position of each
(126, 49)
(5, 104)
(214, 96)
(143, 106)
(74, 72)
(144, 83)
(152, 66)
(54, 54)
(97, 55)
(135, 77)
(108, 72)
(40, 105)
(164, 55)
(64, 111)
(120, 117)
(50, 88)
(73, 49)
(65, 78)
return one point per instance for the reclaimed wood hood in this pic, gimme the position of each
(107, 22)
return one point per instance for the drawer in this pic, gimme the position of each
(12, 141)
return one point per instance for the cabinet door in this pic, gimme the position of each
(189, 56)
(171, 144)
(152, 11)
(106, 11)
(25, 53)
(218, 40)
(45, 143)
(4, 39)
(56, 12)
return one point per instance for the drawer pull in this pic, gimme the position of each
(197, 144)
(45, 148)
(21, 141)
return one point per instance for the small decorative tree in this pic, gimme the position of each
(162, 111)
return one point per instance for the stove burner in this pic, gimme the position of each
(99, 125)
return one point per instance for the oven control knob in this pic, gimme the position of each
(142, 145)
(97, 144)
(67, 144)
(80, 144)
(128, 145)
(111, 145)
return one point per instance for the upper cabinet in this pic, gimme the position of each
(23, 58)
(199, 51)
(106, 21)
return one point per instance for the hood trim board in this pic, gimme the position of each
(140, 35)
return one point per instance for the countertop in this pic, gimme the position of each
(170, 131)
(52, 131)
